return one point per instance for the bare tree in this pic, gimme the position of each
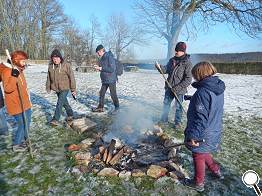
(52, 20)
(168, 18)
(30, 25)
(95, 32)
(119, 35)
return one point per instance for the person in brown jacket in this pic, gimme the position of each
(11, 76)
(61, 79)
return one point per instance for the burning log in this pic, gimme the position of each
(117, 157)
(109, 151)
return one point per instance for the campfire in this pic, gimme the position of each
(152, 154)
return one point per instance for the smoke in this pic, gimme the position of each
(130, 124)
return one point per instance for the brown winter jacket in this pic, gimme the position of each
(60, 77)
(12, 100)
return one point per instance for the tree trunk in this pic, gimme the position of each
(172, 44)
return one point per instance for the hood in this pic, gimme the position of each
(212, 83)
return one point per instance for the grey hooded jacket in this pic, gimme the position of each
(179, 73)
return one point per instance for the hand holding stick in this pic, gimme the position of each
(157, 65)
(22, 106)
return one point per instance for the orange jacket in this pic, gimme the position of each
(12, 100)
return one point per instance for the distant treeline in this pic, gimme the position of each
(250, 68)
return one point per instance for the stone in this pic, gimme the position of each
(108, 172)
(82, 124)
(88, 141)
(157, 130)
(179, 171)
(124, 174)
(84, 162)
(156, 171)
(83, 156)
(138, 173)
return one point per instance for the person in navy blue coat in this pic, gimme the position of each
(108, 75)
(204, 122)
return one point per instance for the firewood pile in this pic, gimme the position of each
(116, 158)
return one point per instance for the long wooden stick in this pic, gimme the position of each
(169, 85)
(22, 106)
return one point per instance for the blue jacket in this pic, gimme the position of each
(108, 72)
(204, 115)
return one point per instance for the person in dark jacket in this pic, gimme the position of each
(61, 79)
(178, 69)
(204, 122)
(3, 122)
(108, 75)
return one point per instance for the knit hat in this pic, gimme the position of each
(180, 46)
(56, 53)
(17, 56)
(99, 47)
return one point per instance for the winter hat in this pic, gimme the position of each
(56, 53)
(99, 47)
(180, 46)
(17, 56)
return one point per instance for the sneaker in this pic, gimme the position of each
(191, 184)
(54, 122)
(218, 175)
(98, 109)
(19, 148)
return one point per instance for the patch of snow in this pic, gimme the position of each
(243, 95)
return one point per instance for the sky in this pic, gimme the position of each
(219, 38)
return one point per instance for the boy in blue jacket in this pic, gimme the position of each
(204, 122)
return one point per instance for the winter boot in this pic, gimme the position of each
(191, 184)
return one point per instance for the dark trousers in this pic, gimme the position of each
(200, 162)
(169, 97)
(102, 92)
(62, 102)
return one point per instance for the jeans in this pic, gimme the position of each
(22, 131)
(169, 96)
(200, 162)
(3, 123)
(62, 102)
(102, 92)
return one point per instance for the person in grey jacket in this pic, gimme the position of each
(61, 79)
(108, 75)
(178, 69)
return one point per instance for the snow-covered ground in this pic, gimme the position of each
(243, 95)
(143, 92)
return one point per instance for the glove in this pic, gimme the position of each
(15, 73)
(187, 97)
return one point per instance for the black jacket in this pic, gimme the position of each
(179, 73)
